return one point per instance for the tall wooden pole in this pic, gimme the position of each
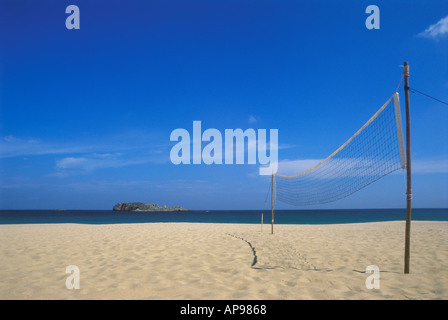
(408, 170)
(272, 204)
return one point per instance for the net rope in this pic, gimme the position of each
(373, 152)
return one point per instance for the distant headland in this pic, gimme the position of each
(140, 206)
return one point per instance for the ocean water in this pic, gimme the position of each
(220, 216)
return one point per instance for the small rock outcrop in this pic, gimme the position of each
(140, 206)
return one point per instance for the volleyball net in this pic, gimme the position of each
(374, 151)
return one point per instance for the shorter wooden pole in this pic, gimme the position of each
(272, 204)
(261, 221)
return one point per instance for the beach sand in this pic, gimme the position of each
(222, 261)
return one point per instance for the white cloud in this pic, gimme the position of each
(11, 146)
(252, 119)
(87, 164)
(353, 167)
(291, 167)
(419, 166)
(71, 162)
(437, 30)
(430, 166)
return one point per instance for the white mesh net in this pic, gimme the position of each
(374, 151)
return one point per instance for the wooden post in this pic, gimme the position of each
(408, 170)
(272, 204)
(261, 221)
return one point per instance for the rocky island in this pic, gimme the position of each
(140, 206)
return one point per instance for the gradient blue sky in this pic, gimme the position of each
(86, 115)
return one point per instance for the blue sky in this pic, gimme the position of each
(86, 115)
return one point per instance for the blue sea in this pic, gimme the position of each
(220, 216)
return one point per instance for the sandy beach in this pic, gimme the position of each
(222, 261)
